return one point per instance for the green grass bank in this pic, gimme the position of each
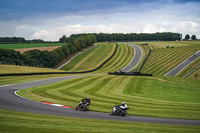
(146, 96)
(20, 122)
(162, 59)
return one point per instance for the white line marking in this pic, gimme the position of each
(185, 66)
(6, 85)
(24, 97)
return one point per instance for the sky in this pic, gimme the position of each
(51, 19)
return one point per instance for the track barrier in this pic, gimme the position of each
(130, 73)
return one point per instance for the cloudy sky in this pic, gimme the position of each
(50, 19)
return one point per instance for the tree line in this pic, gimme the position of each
(165, 36)
(46, 58)
(12, 40)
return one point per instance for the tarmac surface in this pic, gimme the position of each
(182, 65)
(9, 100)
(136, 59)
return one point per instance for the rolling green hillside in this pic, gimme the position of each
(95, 57)
(146, 96)
(157, 96)
(121, 59)
(162, 59)
(90, 59)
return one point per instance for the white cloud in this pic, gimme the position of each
(146, 17)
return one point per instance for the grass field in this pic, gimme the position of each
(19, 122)
(90, 59)
(162, 59)
(93, 58)
(195, 75)
(29, 45)
(157, 96)
(146, 96)
(6, 69)
(121, 59)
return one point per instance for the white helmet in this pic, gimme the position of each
(124, 102)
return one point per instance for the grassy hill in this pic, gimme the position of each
(96, 56)
(162, 59)
(158, 96)
(121, 59)
(146, 96)
(90, 59)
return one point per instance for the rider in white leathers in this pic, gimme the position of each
(123, 105)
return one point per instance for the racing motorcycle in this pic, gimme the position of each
(117, 110)
(82, 107)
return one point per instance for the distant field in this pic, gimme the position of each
(40, 48)
(162, 59)
(146, 96)
(175, 44)
(31, 45)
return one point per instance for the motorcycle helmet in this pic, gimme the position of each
(124, 102)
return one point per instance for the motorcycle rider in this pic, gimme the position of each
(120, 109)
(123, 105)
(85, 101)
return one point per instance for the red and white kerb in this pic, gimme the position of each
(58, 105)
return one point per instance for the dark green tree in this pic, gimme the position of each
(63, 39)
(38, 41)
(193, 37)
(65, 49)
(187, 37)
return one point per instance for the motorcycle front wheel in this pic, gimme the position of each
(112, 113)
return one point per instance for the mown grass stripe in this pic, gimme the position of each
(143, 94)
(164, 62)
(91, 59)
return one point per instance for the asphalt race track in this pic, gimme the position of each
(136, 59)
(184, 64)
(9, 100)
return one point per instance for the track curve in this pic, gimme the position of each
(136, 59)
(183, 65)
(10, 101)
